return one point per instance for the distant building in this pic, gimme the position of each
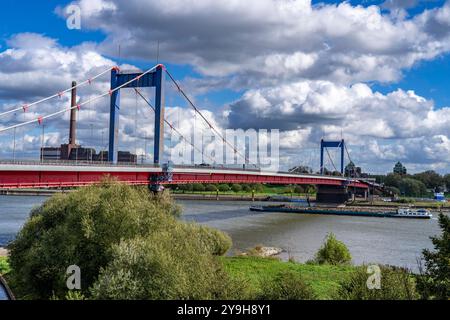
(352, 171)
(399, 168)
(74, 152)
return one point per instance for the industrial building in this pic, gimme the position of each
(74, 152)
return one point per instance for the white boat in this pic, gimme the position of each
(412, 213)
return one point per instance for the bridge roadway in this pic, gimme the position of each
(21, 175)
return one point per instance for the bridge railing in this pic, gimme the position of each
(148, 165)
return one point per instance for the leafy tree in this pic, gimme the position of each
(92, 227)
(333, 252)
(393, 180)
(224, 187)
(447, 181)
(412, 188)
(392, 190)
(236, 187)
(395, 284)
(210, 187)
(435, 282)
(171, 264)
(199, 187)
(299, 189)
(430, 178)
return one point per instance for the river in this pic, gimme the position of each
(370, 240)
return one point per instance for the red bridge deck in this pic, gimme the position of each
(17, 176)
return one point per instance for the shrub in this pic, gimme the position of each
(170, 264)
(4, 266)
(216, 242)
(257, 187)
(223, 187)
(299, 189)
(333, 252)
(210, 188)
(236, 187)
(434, 283)
(80, 228)
(288, 190)
(98, 228)
(247, 188)
(395, 284)
(286, 285)
(199, 187)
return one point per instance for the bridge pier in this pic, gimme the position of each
(332, 194)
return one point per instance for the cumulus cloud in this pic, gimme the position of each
(275, 40)
(415, 130)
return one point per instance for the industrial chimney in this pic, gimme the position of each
(73, 118)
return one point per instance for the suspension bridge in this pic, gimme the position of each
(71, 166)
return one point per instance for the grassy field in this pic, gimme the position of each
(324, 279)
(265, 191)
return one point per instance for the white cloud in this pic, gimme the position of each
(275, 40)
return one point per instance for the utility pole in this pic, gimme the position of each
(42, 142)
(14, 147)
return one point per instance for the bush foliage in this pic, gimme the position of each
(395, 284)
(286, 285)
(333, 252)
(434, 283)
(96, 228)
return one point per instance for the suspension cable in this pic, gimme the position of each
(25, 107)
(172, 127)
(331, 160)
(110, 92)
(204, 118)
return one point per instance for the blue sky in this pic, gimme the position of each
(429, 79)
(225, 79)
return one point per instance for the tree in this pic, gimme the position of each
(434, 283)
(199, 187)
(299, 189)
(447, 181)
(393, 180)
(236, 187)
(333, 252)
(94, 227)
(430, 178)
(210, 188)
(224, 187)
(412, 188)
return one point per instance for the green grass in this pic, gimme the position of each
(4, 265)
(324, 279)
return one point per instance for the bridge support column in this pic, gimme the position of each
(332, 194)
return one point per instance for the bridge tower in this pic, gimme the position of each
(154, 79)
(332, 144)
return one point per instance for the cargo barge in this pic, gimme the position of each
(400, 213)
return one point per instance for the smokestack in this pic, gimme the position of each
(73, 117)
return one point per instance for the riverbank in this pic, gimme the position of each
(323, 279)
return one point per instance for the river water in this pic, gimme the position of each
(370, 240)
